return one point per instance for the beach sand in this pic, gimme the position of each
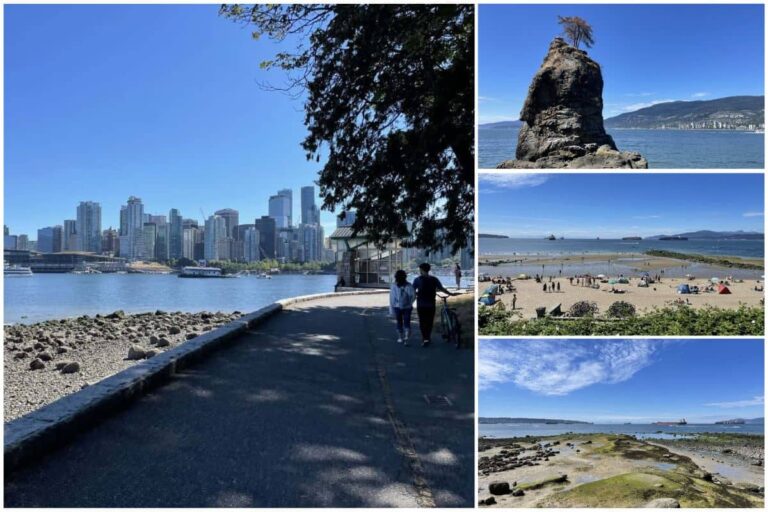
(530, 295)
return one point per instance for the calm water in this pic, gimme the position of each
(48, 296)
(626, 266)
(536, 429)
(664, 149)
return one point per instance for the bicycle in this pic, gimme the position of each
(451, 327)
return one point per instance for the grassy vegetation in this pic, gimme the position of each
(465, 310)
(670, 321)
(722, 261)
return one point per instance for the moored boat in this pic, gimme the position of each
(16, 271)
(201, 272)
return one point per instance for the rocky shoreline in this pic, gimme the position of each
(48, 360)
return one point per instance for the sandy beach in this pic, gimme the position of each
(603, 470)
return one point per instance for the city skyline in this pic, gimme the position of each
(617, 381)
(100, 117)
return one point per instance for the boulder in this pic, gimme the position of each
(191, 335)
(72, 367)
(136, 352)
(663, 503)
(499, 488)
(162, 342)
(36, 364)
(44, 356)
(174, 330)
(563, 117)
(116, 315)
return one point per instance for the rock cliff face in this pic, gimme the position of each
(563, 117)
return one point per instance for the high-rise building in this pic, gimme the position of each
(132, 220)
(175, 234)
(309, 211)
(69, 236)
(231, 219)
(22, 243)
(6, 231)
(88, 227)
(150, 239)
(267, 236)
(280, 206)
(251, 244)
(188, 242)
(10, 242)
(161, 237)
(109, 241)
(49, 239)
(189, 223)
(215, 238)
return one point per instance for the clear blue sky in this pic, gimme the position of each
(161, 102)
(648, 53)
(615, 205)
(622, 380)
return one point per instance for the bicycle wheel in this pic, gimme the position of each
(456, 330)
(445, 324)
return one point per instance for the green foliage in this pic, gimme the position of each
(678, 321)
(233, 267)
(583, 309)
(621, 309)
(389, 101)
(576, 30)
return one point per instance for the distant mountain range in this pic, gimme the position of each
(488, 235)
(755, 421)
(501, 125)
(731, 113)
(495, 421)
(715, 235)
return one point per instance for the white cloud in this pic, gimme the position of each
(644, 217)
(639, 94)
(559, 367)
(643, 104)
(699, 95)
(753, 214)
(758, 400)
(513, 181)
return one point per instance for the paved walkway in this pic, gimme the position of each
(317, 407)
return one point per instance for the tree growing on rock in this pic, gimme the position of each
(388, 94)
(576, 30)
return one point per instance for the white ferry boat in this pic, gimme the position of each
(200, 272)
(16, 270)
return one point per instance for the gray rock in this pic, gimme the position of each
(44, 356)
(62, 349)
(174, 330)
(72, 367)
(153, 339)
(191, 335)
(518, 493)
(36, 364)
(163, 342)
(136, 352)
(150, 353)
(663, 503)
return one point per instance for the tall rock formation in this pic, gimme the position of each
(563, 117)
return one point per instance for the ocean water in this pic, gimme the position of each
(664, 149)
(52, 296)
(640, 430)
(535, 246)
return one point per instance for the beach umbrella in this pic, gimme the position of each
(715, 280)
(523, 276)
(601, 276)
(613, 281)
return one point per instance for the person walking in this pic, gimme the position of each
(426, 287)
(457, 275)
(401, 296)
(514, 301)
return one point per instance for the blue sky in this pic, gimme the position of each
(648, 53)
(622, 380)
(161, 102)
(616, 205)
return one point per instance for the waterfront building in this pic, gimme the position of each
(215, 233)
(22, 242)
(361, 263)
(150, 239)
(88, 227)
(188, 236)
(132, 221)
(267, 228)
(10, 241)
(49, 239)
(231, 219)
(109, 242)
(69, 236)
(280, 208)
(161, 237)
(175, 234)
(251, 243)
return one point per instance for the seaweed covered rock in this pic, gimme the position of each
(563, 117)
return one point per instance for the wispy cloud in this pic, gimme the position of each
(645, 217)
(700, 95)
(487, 98)
(513, 181)
(758, 400)
(753, 214)
(643, 104)
(639, 94)
(559, 367)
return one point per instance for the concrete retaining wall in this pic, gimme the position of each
(53, 425)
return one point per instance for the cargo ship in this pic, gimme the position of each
(673, 238)
(737, 421)
(671, 423)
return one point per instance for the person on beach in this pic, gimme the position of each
(558, 286)
(545, 287)
(457, 274)
(401, 296)
(514, 301)
(426, 287)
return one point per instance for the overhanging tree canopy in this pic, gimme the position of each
(390, 99)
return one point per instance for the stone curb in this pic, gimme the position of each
(53, 425)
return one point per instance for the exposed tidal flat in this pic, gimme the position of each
(663, 149)
(622, 470)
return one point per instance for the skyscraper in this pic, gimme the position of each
(132, 242)
(69, 236)
(109, 241)
(280, 206)
(215, 234)
(251, 243)
(22, 243)
(309, 212)
(88, 227)
(267, 236)
(175, 234)
(49, 239)
(231, 219)
(150, 239)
